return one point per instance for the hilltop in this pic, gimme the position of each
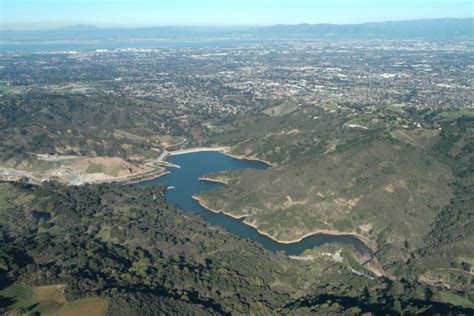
(392, 176)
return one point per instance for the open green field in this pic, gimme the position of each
(285, 108)
(49, 300)
(86, 306)
(6, 89)
(453, 115)
(418, 138)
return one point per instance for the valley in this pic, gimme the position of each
(308, 176)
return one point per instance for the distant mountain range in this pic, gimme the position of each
(430, 29)
(427, 29)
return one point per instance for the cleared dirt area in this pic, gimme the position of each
(76, 169)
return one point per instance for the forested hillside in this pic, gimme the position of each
(144, 257)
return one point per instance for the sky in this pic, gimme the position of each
(40, 14)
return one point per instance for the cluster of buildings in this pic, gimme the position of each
(232, 79)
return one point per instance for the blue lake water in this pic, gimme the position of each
(186, 183)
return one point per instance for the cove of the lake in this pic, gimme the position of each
(185, 183)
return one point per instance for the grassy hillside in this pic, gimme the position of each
(384, 192)
(50, 300)
(84, 125)
(395, 181)
(399, 178)
(447, 257)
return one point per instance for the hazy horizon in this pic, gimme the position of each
(65, 26)
(50, 14)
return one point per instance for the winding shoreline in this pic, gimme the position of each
(242, 157)
(161, 160)
(368, 243)
(226, 150)
(197, 149)
(199, 200)
(369, 247)
(213, 180)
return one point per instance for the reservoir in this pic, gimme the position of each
(185, 183)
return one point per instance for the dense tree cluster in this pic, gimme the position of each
(130, 246)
